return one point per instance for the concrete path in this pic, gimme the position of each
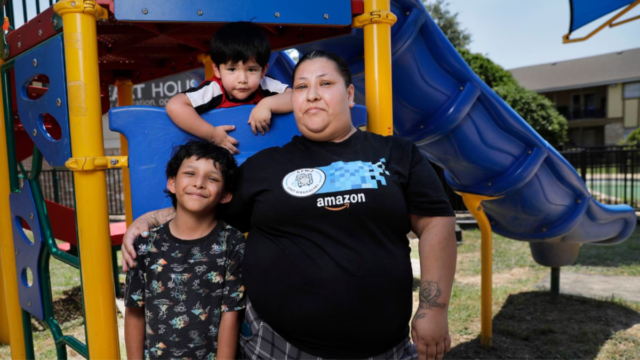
(596, 286)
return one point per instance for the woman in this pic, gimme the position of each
(327, 268)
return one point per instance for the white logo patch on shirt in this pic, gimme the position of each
(303, 182)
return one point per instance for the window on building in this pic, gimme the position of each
(585, 106)
(632, 90)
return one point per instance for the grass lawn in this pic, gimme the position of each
(67, 303)
(526, 325)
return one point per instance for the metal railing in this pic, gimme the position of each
(456, 200)
(578, 114)
(28, 8)
(57, 186)
(611, 173)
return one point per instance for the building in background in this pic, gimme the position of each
(599, 95)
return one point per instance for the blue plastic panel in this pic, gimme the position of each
(284, 12)
(485, 147)
(152, 136)
(47, 59)
(27, 252)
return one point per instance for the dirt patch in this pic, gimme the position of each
(498, 279)
(475, 256)
(67, 308)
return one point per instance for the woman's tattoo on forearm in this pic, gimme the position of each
(429, 295)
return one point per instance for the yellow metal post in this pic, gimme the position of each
(85, 120)
(377, 21)
(12, 317)
(125, 98)
(474, 204)
(4, 319)
(208, 65)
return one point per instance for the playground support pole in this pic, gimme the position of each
(125, 98)
(474, 204)
(11, 317)
(377, 21)
(85, 120)
(555, 284)
(208, 65)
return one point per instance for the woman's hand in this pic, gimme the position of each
(430, 333)
(139, 227)
(437, 248)
(260, 118)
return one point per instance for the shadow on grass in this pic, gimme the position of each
(66, 308)
(529, 326)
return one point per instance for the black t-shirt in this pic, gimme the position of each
(184, 286)
(327, 261)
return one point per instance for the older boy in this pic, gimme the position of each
(185, 290)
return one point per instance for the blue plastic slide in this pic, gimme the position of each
(485, 147)
(458, 122)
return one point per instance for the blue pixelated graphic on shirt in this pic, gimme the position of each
(342, 176)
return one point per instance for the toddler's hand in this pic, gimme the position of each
(221, 138)
(260, 119)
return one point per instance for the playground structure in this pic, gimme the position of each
(55, 76)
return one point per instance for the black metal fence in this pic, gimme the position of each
(611, 173)
(454, 199)
(57, 185)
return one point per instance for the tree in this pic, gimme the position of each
(491, 73)
(448, 23)
(536, 109)
(633, 138)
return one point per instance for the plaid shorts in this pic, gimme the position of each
(265, 344)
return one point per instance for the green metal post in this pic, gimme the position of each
(28, 335)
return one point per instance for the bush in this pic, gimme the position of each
(633, 138)
(537, 110)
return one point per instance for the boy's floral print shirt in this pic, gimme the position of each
(184, 287)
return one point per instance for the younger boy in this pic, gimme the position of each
(185, 289)
(240, 54)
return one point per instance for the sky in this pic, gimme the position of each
(516, 33)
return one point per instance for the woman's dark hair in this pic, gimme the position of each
(203, 150)
(240, 41)
(341, 64)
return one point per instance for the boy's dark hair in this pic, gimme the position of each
(341, 64)
(203, 150)
(240, 41)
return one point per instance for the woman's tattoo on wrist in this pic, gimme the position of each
(429, 295)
